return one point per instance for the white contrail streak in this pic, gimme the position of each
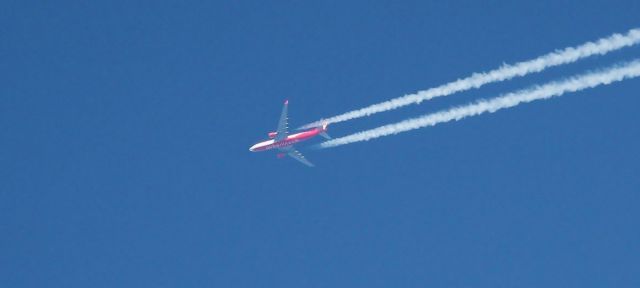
(577, 83)
(476, 80)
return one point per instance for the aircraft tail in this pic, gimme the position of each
(323, 130)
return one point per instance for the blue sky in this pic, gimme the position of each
(125, 129)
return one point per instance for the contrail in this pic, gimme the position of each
(576, 83)
(476, 80)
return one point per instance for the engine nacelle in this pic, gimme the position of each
(272, 135)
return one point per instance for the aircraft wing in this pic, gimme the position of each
(293, 153)
(283, 127)
(298, 156)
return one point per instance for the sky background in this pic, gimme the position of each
(125, 128)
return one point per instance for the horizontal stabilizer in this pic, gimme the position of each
(325, 135)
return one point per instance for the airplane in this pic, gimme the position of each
(283, 142)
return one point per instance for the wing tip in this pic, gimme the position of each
(286, 102)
